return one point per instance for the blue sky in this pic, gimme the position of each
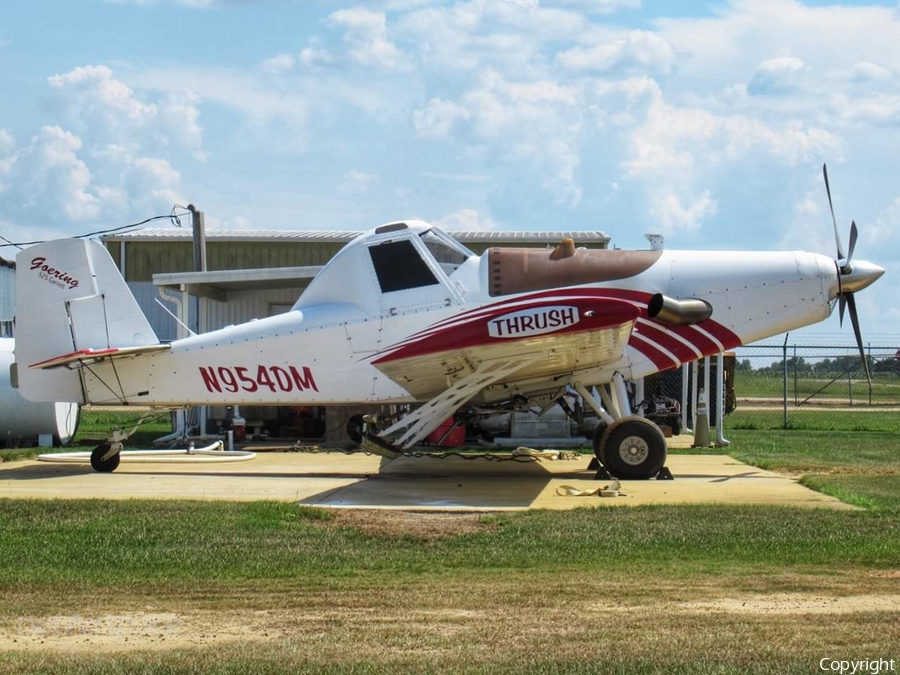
(707, 122)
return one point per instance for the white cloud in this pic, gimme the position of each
(741, 33)
(438, 117)
(153, 184)
(467, 220)
(365, 34)
(357, 182)
(7, 156)
(179, 121)
(504, 34)
(94, 165)
(279, 64)
(99, 107)
(455, 177)
(601, 6)
(49, 175)
(777, 76)
(275, 109)
(677, 152)
(51, 181)
(886, 226)
(674, 139)
(808, 205)
(870, 109)
(195, 4)
(538, 122)
(90, 99)
(867, 71)
(314, 56)
(638, 49)
(624, 103)
(672, 215)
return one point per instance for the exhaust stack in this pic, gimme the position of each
(678, 312)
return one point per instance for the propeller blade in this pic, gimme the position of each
(837, 236)
(851, 302)
(854, 233)
(842, 303)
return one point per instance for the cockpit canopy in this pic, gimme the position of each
(393, 258)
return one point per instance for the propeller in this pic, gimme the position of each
(848, 282)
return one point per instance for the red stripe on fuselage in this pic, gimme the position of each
(660, 359)
(440, 331)
(594, 313)
(660, 336)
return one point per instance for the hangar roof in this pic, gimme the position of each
(157, 234)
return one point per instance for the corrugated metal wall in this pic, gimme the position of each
(240, 307)
(7, 293)
(143, 259)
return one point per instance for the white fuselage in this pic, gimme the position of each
(323, 352)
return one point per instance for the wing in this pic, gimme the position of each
(557, 333)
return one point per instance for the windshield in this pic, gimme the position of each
(449, 253)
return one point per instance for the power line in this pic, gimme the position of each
(172, 217)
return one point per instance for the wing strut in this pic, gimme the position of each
(422, 421)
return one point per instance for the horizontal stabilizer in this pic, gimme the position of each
(88, 356)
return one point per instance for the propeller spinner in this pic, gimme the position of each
(852, 277)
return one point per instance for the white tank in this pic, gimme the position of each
(21, 420)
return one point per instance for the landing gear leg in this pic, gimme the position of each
(106, 456)
(632, 448)
(597, 462)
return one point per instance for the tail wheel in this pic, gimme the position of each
(634, 448)
(102, 463)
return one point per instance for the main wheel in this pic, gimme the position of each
(633, 447)
(355, 428)
(104, 465)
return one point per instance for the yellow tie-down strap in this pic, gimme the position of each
(611, 490)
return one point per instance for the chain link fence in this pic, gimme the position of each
(800, 386)
(819, 386)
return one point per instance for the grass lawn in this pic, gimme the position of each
(275, 587)
(767, 384)
(94, 427)
(594, 590)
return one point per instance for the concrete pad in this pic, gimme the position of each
(279, 476)
(419, 483)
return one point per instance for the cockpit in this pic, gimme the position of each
(400, 266)
(410, 263)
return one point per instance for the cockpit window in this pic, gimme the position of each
(449, 253)
(399, 266)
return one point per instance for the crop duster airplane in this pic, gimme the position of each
(404, 314)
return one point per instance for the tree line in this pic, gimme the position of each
(822, 367)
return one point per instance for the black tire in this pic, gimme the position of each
(633, 448)
(599, 430)
(101, 465)
(354, 428)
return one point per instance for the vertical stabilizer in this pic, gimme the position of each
(70, 297)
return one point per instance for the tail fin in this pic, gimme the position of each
(70, 297)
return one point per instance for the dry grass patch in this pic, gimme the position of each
(411, 524)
